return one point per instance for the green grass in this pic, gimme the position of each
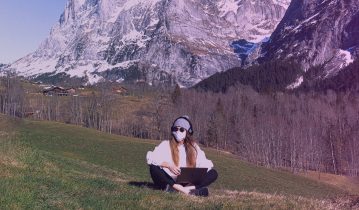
(53, 165)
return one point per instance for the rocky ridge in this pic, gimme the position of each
(317, 33)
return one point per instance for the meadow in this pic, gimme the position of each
(47, 165)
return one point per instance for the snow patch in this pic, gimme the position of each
(34, 67)
(296, 84)
(348, 59)
(258, 38)
(120, 80)
(128, 5)
(228, 6)
(136, 37)
(305, 21)
(282, 3)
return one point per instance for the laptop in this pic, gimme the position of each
(191, 175)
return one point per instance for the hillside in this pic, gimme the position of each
(274, 75)
(279, 75)
(53, 165)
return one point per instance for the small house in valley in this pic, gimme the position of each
(55, 91)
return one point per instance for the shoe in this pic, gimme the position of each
(169, 188)
(200, 192)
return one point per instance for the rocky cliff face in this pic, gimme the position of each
(321, 32)
(156, 40)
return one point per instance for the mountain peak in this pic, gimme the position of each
(158, 40)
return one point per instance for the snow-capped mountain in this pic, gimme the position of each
(182, 41)
(317, 33)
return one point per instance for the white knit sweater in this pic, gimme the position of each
(162, 153)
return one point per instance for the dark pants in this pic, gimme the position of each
(161, 178)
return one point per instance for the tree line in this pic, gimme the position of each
(301, 131)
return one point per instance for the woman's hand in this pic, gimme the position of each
(174, 169)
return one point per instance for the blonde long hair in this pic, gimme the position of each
(191, 151)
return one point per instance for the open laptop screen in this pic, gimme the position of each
(191, 175)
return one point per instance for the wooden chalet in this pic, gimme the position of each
(55, 91)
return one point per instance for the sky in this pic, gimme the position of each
(24, 24)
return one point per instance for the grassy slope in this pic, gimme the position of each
(62, 166)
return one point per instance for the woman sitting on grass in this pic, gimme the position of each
(180, 151)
